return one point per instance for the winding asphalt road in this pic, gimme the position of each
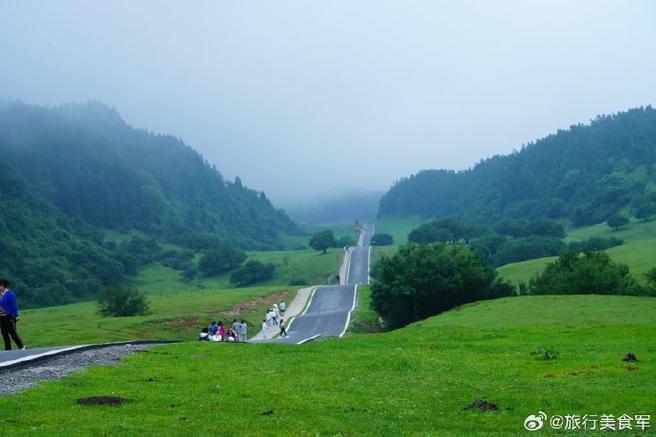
(329, 310)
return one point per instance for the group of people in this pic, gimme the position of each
(238, 331)
(274, 317)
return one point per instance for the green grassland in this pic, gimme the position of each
(175, 315)
(638, 250)
(416, 380)
(291, 265)
(399, 227)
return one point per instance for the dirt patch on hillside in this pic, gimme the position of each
(250, 305)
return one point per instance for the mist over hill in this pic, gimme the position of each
(585, 173)
(72, 172)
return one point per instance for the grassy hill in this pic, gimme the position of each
(638, 250)
(417, 380)
(175, 315)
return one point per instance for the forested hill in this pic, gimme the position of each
(585, 173)
(98, 170)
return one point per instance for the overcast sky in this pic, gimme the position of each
(302, 98)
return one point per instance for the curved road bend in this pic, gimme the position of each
(329, 310)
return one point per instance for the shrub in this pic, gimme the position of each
(252, 272)
(527, 248)
(119, 301)
(298, 281)
(588, 273)
(221, 260)
(646, 212)
(420, 281)
(382, 239)
(593, 244)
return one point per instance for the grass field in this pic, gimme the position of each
(177, 315)
(399, 227)
(417, 380)
(291, 265)
(638, 250)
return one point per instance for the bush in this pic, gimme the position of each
(382, 239)
(252, 272)
(588, 273)
(527, 248)
(119, 301)
(345, 241)
(420, 281)
(646, 212)
(594, 244)
(298, 281)
(221, 260)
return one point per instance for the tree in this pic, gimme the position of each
(221, 260)
(544, 228)
(252, 272)
(646, 212)
(119, 301)
(420, 281)
(510, 227)
(322, 240)
(617, 221)
(382, 239)
(651, 280)
(588, 273)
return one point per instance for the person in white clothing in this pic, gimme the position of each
(265, 329)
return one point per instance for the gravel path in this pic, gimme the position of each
(21, 378)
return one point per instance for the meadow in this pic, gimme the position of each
(638, 250)
(419, 380)
(175, 315)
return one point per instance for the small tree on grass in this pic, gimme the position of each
(252, 272)
(119, 301)
(420, 281)
(381, 239)
(646, 213)
(651, 280)
(322, 240)
(617, 221)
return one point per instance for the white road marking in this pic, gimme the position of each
(308, 339)
(348, 316)
(44, 354)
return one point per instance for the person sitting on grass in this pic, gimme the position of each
(230, 337)
(204, 335)
(213, 328)
(221, 329)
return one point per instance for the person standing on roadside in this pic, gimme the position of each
(265, 329)
(243, 331)
(9, 316)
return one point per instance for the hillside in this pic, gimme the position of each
(585, 174)
(418, 380)
(97, 169)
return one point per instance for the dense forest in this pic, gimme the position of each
(586, 174)
(71, 172)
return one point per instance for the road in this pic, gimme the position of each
(330, 307)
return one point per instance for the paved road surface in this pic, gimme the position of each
(329, 311)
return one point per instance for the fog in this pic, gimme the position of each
(306, 99)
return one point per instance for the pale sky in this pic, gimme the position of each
(304, 98)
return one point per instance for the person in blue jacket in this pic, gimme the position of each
(9, 316)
